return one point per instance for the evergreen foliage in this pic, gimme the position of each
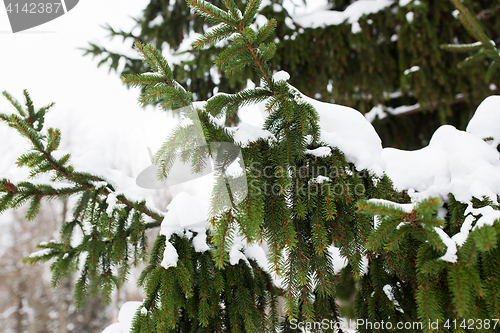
(361, 70)
(106, 240)
(408, 252)
(485, 47)
(297, 203)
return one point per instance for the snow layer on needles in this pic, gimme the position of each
(187, 213)
(347, 129)
(486, 121)
(454, 162)
(94, 163)
(339, 261)
(246, 133)
(458, 162)
(320, 152)
(125, 317)
(407, 208)
(351, 14)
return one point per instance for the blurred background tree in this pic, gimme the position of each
(388, 61)
(28, 303)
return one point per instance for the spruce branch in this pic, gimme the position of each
(231, 7)
(41, 160)
(89, 214)
(396, 224)
(251, 10)
(215, 35)
(110, 57)
(484, 47)
(247, 47)
(212, 13)
(265, 31)
(160, 86)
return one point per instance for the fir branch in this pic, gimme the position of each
(81, 287)
(473, 58)
(491, 269)
(213, 36)
(230, 103)
(267, 51)
(250, 11)
(396, 238)
(428, 306)
(231, 7)
(459, 288)
(156, 60)
(82, 181)
(175, 95)
(432, 237)
(265, 31)
(236, 66)
(14, 103)
(462, 47)
(484, 47)
(143, 80)
(211, 12)
(492, 70)
(485, 238)
(230, 52)
(471, 23)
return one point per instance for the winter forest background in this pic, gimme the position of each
(380, 57)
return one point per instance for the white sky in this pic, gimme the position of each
(46, 61)
(90, 102)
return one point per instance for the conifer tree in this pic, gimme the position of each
(365, 69)
(399, 253)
